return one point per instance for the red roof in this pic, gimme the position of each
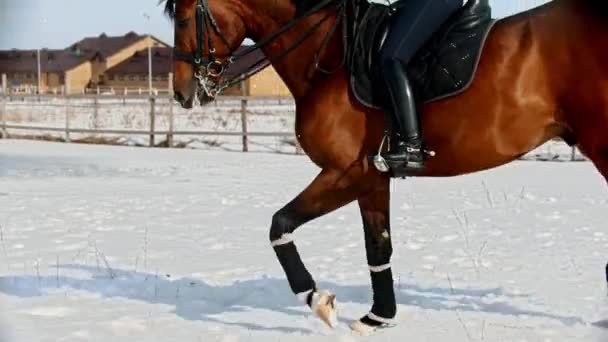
(26, 61)
(162, 63)
(59, 61)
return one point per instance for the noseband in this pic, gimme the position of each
(209, 70)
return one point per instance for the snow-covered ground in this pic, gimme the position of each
(102, 243)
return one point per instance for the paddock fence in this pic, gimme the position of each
(234, 123)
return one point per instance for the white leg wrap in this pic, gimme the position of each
(380, 319)
(285, 239)
(303, 296)
(381, 268)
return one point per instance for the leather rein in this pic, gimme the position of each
(209, 69)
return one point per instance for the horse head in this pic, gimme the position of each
(207, 32)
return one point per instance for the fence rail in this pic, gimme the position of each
(27, 111)
(160, 117)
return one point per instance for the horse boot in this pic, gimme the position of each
(407, 151)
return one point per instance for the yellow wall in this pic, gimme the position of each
(97, 69)
(79, 77)
(267, 83)
(127, 52)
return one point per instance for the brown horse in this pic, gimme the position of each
(543, 74)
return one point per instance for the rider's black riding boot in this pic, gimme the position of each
(408, 146)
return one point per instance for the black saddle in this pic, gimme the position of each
(444, 67)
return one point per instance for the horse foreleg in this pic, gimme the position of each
(376, 224)
(330, 190)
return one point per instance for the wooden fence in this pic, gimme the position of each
(94, 102)
(149, 106)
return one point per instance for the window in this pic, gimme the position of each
(111, 77)
(121, 78)
(131, 77)
(142, 77)
(28, 76)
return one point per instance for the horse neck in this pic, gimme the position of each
(296, 69)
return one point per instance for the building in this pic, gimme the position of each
(133, 72)
(118, 64)
(82, 65)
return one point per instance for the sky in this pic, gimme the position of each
(56, 24)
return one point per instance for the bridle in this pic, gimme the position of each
(206, 68)
(209, 70)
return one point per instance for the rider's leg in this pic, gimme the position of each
(411, 27)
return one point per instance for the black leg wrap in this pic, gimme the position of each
(298, 276)
(384, 294)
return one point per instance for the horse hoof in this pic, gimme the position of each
(362, 329)
(323, 304)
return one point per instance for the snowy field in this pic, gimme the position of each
(102, 243)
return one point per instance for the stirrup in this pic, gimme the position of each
(383, 166)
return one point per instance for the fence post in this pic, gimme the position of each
(244, 123)
(3, 132)
(95, 111)
(152, 119)
(573, 156)
(4, 84)
(170, 135)
(67, 119)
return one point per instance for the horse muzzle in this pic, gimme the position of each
(186, 103)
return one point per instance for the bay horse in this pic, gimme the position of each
(543, 74)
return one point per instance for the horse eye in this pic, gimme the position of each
(183, 23)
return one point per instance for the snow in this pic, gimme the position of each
(102, 243)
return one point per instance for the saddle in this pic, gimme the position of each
(444, 67)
